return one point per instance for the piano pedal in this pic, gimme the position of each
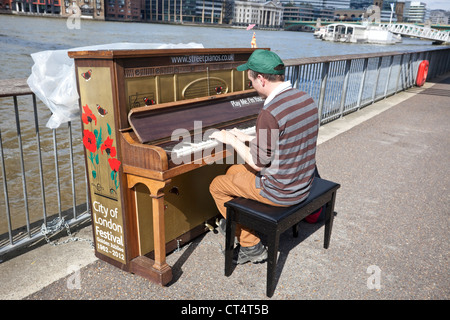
(178, 245)
(210, 227)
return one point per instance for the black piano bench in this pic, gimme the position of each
(273, 221)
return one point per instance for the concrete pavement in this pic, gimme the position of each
(390, 236)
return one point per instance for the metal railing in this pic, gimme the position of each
(33, 159)
(343, 84)
(339, 85)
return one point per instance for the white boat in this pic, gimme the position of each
(352, 33)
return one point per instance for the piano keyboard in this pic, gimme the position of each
(191, 148)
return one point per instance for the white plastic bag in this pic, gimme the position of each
(53, 78)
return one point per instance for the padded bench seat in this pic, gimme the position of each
(273, 221)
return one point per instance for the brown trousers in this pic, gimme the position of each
(239, 181)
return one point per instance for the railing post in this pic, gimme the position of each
(41, 170)
(444, 62)
(5, 190)
(430, 61)
(345, 86)
(374, 92)
(447, 61)
(436, 63)
(411, 75)
(399, 73)
(22, 165)
(363, 80)
(323, 87)
(388, 76)
(58, 188)
(440, 56)
(427, 57)
(72, 172)
(295, 71)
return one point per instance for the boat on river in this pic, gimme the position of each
(352, 33)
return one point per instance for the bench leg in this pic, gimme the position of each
(329, 217)
(295, 230)
(272, 248)
(229, 241)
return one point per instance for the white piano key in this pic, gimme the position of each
(190, 148)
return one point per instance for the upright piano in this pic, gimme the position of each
(147, 116)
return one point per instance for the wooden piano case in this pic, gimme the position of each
(142, 205)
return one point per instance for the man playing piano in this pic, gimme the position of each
(280, 160)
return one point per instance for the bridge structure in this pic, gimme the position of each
(425, 33)
(311, 25)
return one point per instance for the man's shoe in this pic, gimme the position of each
(222, 226)
(255, 254)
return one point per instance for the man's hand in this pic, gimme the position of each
(229, 138)
(223, 136)
(241, 136)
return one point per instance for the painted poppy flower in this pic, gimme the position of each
(89, 141)
(108, 147)
(114, 164)
(88, 116)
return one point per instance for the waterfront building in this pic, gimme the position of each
(5, 5)
(385, 9)
(349, 14)
(342, 4)
(210, 11)
(416, 12)
(307, 13)
(36, 6)
(262, 13)
(399, 10)
(90, 9)
(305, 3)
(122, 10)
(338, 4)
(438, 17)
(188, 11)
(360, 4)
(167, 10)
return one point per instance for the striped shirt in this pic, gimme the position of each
(285, 147)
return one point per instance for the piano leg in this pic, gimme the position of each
(157, 270)
(159, 235)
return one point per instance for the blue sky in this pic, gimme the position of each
(437, 4)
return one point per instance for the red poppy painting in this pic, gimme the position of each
(87, 116)
(94, 141)
(114, 164)
(108, 147)
(89, 141)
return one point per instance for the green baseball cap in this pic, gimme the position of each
(263, 61)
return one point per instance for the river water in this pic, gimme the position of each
(21, 36)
